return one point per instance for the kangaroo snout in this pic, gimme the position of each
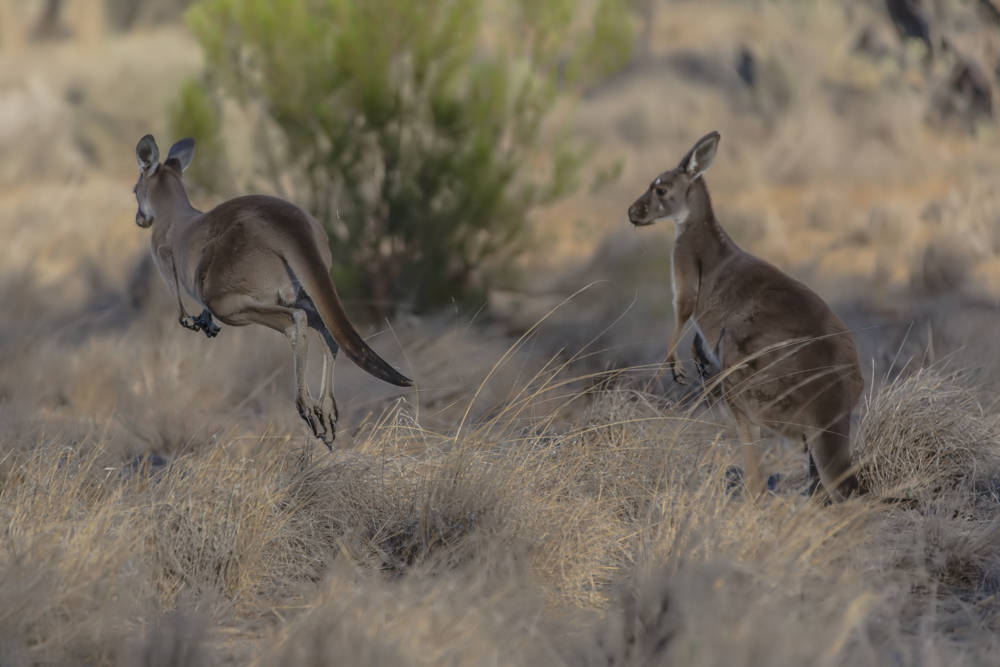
(638, 212)
(142, 220)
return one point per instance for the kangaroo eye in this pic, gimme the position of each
(660, 192)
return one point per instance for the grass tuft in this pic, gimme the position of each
(925, 433)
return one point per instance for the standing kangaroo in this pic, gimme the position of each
(251, 260)
(788, 362)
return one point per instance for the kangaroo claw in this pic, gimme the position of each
(680, 377)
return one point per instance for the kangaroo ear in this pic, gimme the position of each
(183, 152)
(147, 154)
(699, 158)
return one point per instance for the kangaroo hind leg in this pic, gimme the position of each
(327, 401)
(831, 450)
(753, 465)
(239, 309)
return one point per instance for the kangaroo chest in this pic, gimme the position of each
(696, 279)
(185, 251)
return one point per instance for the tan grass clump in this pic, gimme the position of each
(924, 433)
(500, 545)
(424, 618)
(66, 574)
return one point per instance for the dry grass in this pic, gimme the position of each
(543, 500)
(614, 539)
(925, 433)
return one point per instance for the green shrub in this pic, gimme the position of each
(196, 115)
(416, 124)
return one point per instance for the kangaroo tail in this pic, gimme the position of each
(320, 289)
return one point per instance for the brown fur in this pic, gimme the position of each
(251, 260)
(788, 362)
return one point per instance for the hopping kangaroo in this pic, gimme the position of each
(251, 260)
(788, 362)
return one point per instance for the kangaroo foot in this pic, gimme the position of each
(735, 480)
(322, 421)
(328, 408)
(327, 421)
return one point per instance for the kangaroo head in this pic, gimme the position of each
(152, 173)
(666, 197)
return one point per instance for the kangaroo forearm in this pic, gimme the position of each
(181, 311)
(165, 260)
(683, 309)
(675, 340)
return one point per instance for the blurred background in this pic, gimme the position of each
(472, 161)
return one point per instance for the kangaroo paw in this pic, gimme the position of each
(191, 323)
(204, 323)
(211, 329)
